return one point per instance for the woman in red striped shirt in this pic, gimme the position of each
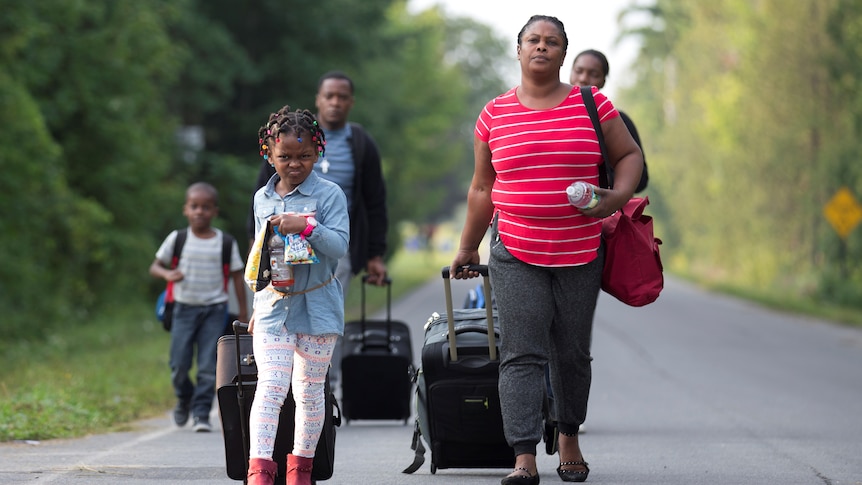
(546, 255)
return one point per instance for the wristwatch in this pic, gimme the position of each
(309, 228)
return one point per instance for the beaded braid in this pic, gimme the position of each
(297, 122)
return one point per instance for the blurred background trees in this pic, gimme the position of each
(750, 111)
(111, 108)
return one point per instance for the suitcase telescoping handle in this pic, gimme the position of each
(388, 282)
(447, 284)
(240, 328)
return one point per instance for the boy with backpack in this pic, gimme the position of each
(200, 294)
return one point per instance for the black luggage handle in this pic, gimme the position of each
(447, 284)
(388, 283)
(240, 328)
(482, 269)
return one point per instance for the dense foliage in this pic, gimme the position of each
(751, 113)
(111, 108)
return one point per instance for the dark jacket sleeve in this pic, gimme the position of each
(634, 132)
(374, 194)
(369, 221)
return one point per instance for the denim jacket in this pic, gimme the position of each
(321, 310)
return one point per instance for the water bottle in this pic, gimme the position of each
(282, 273)
(582, 195)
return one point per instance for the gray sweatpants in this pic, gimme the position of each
(546, 316)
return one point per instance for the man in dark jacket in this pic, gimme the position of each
(352, 160)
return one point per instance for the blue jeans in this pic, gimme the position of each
(196, 326)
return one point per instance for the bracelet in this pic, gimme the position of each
(307, 231)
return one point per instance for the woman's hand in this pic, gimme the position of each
(251, 325)
(610, 201)
(463, 259)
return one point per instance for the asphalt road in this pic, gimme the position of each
(693, 389)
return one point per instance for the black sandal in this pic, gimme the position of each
(573, 475)
(521, 479)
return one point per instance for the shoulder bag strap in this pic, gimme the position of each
(605, 179)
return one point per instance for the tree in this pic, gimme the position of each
(749, 132)
(104, 143)
(96, 167)
(430, 91)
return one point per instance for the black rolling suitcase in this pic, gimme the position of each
(458, 404)
(376, 366)
(235, 393)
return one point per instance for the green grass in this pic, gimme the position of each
(92, 377)
(101, 374)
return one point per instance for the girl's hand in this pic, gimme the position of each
(251, 325)
(288, 223)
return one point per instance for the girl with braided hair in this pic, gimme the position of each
(294, 329)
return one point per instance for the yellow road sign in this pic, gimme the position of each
(843, 212)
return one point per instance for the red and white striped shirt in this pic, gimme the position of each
(537, 154)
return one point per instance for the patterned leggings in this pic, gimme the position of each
(277, 357)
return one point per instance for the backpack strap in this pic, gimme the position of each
(605, 179)
(226, 246)
(179, 242)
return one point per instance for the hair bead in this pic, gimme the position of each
(297, 122)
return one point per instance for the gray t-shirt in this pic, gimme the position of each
(337, 164)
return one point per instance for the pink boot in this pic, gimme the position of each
(299, 470)
(261, 471)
